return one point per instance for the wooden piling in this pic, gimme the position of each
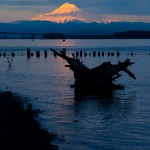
(38, 53)
(94, 54)
(118, 53)
(45, 53)
(112, 54)
(81, 53)
(28, 53)
(4, 54)
(85, 54)
(32, 54)
(103, 54)
(13, 54)
(64, 51)
(77, 54)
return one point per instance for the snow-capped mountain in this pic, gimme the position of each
(71, 20)
(70, 12)
(65, 13)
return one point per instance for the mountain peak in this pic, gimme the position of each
(64, 13)
(65, 8)
(69, 12)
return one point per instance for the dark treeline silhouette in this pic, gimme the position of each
(117, 35)
(88, 36)
(132, 35)
(53, 36)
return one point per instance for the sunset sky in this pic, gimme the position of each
(127, 10)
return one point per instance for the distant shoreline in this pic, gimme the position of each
(134, 34)
(116, 35)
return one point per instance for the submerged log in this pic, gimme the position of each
(100, 77)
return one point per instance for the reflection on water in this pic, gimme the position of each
(81, 92)
(36, 43)
(118, 120)
(96, 121)
(79, 43)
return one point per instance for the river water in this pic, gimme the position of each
(117, 121)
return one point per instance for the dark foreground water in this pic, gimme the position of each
(117, 121)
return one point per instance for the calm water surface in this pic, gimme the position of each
(117, 121)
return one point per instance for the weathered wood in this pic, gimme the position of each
(28, 53)
(101, 77)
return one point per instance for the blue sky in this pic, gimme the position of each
(128, 10)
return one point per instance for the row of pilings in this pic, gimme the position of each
(82, 53)
(75, 54)
(29, 53)
(5, 54)
(79, 54)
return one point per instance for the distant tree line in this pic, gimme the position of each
(53, 36)
(132, 35)
(88, 36)
(116, 35)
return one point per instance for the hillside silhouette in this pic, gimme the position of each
(116, 35)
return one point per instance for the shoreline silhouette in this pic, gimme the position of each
(18, 127)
